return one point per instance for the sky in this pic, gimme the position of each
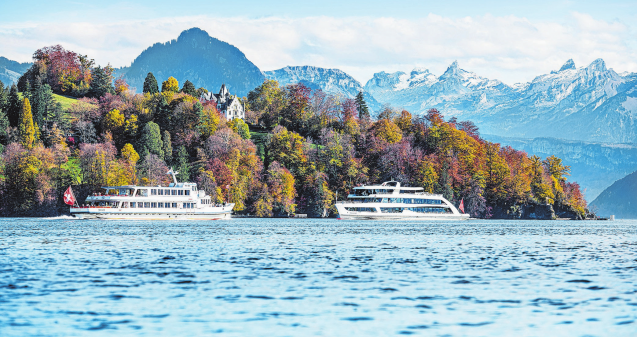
(512, 41)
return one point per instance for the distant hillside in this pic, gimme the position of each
(10, 71)
(595, 166)
(331, 81)
(199, 58)
(620, 199)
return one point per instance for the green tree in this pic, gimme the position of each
(170, 84)
(240, 127)
(26, 128)
(189, 89)
(163, 114)
(183, 164)
(361, 105)
(150, 84)
(150, 141)
(4, 124)
(15, 106)
(102, 82)
(167, 147)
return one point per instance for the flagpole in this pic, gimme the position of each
(74, 199)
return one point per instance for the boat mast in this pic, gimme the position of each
(174, 174)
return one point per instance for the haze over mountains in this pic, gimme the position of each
(576, 113)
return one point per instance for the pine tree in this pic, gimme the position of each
(163, 114)
(189, 89)
(4, 124)
(102, 82)
(150, 141)
(363, 110)
(150, 84)
(183, 165)
(26, 128)
(168, 147)
(15, 106)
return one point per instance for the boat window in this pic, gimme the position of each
(132, 204)
(181, 192)
(384, 200)
(187, 192)
(395, 200)
(153, 205)
(142, 192)
(391, 209)
(361, 209)
(429, 209)
(147, 205)
(153, 191)
(174, 192)
(174, 205)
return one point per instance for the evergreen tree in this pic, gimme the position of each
(183, 165)
(363, 110)
(189, 89)
(150, 84)
(43, 105)
(4, 124)
(26, 128)
(163, 114)
(168, 147)
(4, 98)
(150, 141)
(15, 106)
(102, 82)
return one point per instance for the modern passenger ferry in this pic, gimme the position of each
(390, 200)
(181, 201)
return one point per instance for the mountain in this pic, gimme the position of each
(594, 166)
(10, 71)
(199, 58)
(619, 199)
(590, 103)
(332, 81)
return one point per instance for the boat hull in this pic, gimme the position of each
(224, 213)
(424, 217)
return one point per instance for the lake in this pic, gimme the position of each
(317, 277)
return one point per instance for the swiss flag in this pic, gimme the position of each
(69, 198)
(461, 207)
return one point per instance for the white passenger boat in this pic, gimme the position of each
(182, 201)
(392, 201)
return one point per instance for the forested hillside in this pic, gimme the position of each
(311, 148)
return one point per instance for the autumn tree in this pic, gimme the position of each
(26, 127)
(170, 84)
(388, 131)
(240, 127)
(281, 187)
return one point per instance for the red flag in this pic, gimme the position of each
(69, 198)
(461, 207)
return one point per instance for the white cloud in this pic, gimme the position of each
(509, 48)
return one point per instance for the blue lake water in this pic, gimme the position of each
(305, 277)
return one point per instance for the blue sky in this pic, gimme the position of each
(509, 40)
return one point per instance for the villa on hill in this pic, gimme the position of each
(228, 105)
